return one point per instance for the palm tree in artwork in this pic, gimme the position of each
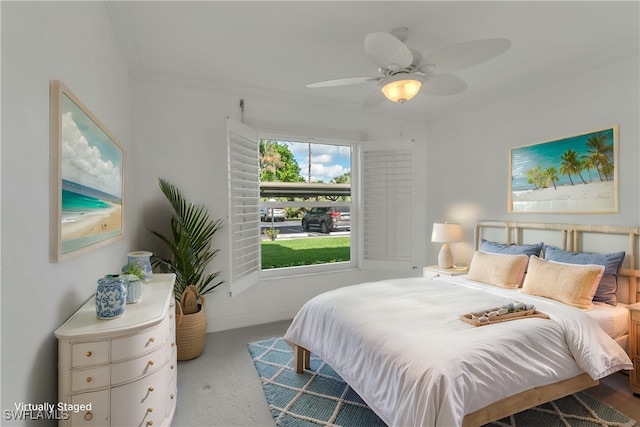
(589, 163)
(600, 155)
(551, 174)
(571, 165)
(533, 177)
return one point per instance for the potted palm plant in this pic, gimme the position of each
(192, 231)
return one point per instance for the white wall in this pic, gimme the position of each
(41, 41)
(181, 132)
(468, 153)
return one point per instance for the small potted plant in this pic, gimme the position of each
(133, 276)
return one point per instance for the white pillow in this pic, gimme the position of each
(572, 284)
(502, 270)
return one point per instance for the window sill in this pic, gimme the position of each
(306, 271)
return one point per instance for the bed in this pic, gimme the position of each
(401, 344)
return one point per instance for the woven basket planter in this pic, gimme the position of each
(190, 331)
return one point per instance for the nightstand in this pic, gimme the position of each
(634, 346)
(433, 271)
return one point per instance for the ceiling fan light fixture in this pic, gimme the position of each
(402, 87)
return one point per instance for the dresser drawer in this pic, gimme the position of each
(98, 415)
(145, 401)
(89, 353)
(132, 369)
(172, 322)
(635, 316)
(634, 338)
(88, 379)
(430, 274)
(171, 385)
(634, 376)
(134, 345)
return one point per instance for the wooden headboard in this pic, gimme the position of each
(577, 238)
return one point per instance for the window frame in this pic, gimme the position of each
(312, 269)
(247, 209)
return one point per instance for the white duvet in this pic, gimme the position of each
(401, 346)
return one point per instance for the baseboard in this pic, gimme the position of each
(247, 319)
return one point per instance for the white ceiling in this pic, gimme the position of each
(283, 46)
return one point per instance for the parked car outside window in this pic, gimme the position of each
(327, 219)
(277, 214)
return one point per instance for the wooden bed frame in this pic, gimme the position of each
(571, 237)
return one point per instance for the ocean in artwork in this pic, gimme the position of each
(549, 155)
(88, 216)
(78, 200)
(576, 174)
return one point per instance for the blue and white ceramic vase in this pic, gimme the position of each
(143, 259)
(111, 297)
(134, 288)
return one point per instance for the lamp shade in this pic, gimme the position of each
(444, 232)
(402, 87)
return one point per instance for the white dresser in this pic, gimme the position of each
(125, 368)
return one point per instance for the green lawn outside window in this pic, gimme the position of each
(305, 251)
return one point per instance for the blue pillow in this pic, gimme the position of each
(500, 248)
(608, 286)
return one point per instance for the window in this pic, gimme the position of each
(382, 227)
(305, 205)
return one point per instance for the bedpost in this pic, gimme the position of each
(302, 359)
(476, 237)
(633, 281)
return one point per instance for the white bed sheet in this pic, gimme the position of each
(402, 347)
(613, 320)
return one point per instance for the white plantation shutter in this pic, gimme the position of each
(387, 196)
(244, 211)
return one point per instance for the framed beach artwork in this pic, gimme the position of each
(576, 174)
(87, 178)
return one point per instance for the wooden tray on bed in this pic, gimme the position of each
(526, 314)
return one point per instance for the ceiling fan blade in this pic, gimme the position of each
(374, 99)
(387, 51)
(344, 82)
(443, 84)
(463, 55)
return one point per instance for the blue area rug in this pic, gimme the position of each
(319, 397)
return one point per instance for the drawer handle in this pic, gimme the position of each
(173, 344)
(150, 423)
(150, 389)
(171, 396)
(89, 353)
(88, 416)
(152, 339)
(149, 409)
(89, 379)
(171, 366)
(150, 362)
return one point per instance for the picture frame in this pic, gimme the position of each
(575, 174)
(87, 178)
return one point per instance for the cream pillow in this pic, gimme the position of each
(572, 284)
(502, 270)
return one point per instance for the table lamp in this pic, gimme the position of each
(446, 233)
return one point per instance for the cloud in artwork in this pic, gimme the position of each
(83, 162)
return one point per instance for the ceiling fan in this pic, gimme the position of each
(404, 72)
